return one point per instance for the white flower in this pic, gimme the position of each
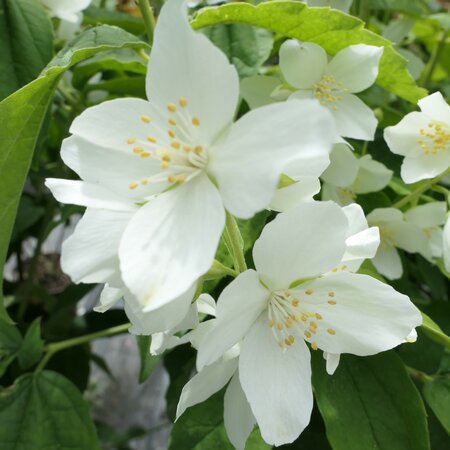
(69, 10)
(305, 66)
(423, 138)
(429, 218)
(343, 5)
(446, 245)
(396, 232)
(170, 166)
(347, 176)
(301, 292)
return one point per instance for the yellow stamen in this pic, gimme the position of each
(145, 119)
(133, 185)
(183, 102)
(171, 107)
(196, 121)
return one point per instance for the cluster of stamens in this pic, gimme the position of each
(178, 150)
(288, 314)
(328, 91)
(435, 138)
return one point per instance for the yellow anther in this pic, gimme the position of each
(307, 334)
(172, 107)
(183, 102)
(334, 269)
(295, 302)
(286, 293)
(145, 119)
(287, 342)
(318, 316)
(313, 324)
(151, 139)
(288, 322)
(304, 317)
(314, 345)
(164, 165)
(131, 140)
(271, 323)
(309, 291)
(198, 149)
(187, 148)
(171, 133)
(331, 331)
(175, 145)
(138, 150)
(291, 339)
(145, 155)
(181, 178)
(195, 121)
(332, 302)
(331, 294)
(166, 157)
(172, 122)
(144, 181)
(280, 325)
(171, 179)
(133, 185)
(344, 267)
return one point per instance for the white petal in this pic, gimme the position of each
(303, 242)
(206, 305)
(301, 191)
(277, 384)
(372, 176)
(425, 166)
(384, 215)
(109, 297)
(302, 63)
(186, 64)
(356, 219)
(343, 166)
(249, 161)
(403, 138)
(368, 317)
(238, 417)
(435, 107)
(110, 168)
(89, 255)
(356, 66)
(332, 362)
(171, 241)
(387, 262)
(111, 124)
(354, 119)
(428, 215)
(159, 319)
(446, 245)
(239, 305)
(409, 237)
(88, 194)
(257, 90)
(206, 383)
(342, 196)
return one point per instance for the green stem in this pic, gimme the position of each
(418, 375)
(434, 59)
(56, 347)
(419, 190)
(149, 18)
(235, 238)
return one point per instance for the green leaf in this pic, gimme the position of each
(371, 403)
(413, 7)
(132, 24)
(331, 29)
(434, 331)
(201, 428)
(22, 114)
(45, 411)
(437, 395)
(10, 342)
(31, 350)
(26, 43)
(246, 47)
(148, 362)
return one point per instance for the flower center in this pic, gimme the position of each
(178, 149)
(386, 238)
(329, 91)
(435, 138)
(290, 316)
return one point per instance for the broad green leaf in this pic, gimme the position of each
(331, 29)
(148, 361)
(246, 47)
(132, 24)
(10, 343)
(22, 114)
(32, 346)
(437, 395)
(413, 7)
(201, 428)
(26, 43)
(45, 411)
(434, 331)
(371, 403)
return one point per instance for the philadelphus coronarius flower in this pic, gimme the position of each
(165, 170)
(306, 68)
(423, 138)
(347, 176)
(303, 292)
(66, 9)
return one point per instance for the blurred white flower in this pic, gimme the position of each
(423, 138)
(69, 10)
